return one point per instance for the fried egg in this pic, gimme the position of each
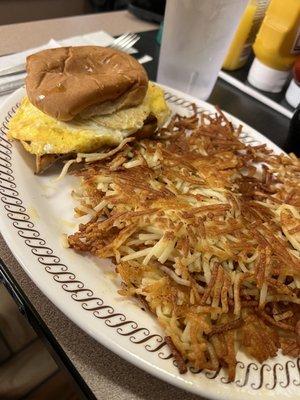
(41, 134)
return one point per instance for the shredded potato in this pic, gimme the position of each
(204, 230)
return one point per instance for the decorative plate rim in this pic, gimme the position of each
(60, 272)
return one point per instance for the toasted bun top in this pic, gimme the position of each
(84, 80)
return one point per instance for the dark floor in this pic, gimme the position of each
(27, 371)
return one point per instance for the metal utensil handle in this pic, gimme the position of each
(17, 69)
(11, 86)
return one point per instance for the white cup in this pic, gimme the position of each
(196, 37)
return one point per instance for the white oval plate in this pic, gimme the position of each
(34, 212)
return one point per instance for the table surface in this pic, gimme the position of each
(17, 37)
(98, 372)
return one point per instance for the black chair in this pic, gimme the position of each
(149, 10)
(108, 5)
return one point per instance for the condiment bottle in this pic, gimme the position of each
(293, 92)
(240, 48)
(293, 141)
(276, 46)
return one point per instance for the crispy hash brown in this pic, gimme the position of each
(206, 231)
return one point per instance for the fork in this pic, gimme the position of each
(125, 41)
(122, 43)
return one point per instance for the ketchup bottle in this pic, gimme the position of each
(293, 140)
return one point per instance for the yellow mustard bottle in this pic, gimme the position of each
(276, 46)
(240, 47)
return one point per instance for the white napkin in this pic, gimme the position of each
(99, 38)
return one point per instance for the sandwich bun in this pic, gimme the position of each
(84, 81)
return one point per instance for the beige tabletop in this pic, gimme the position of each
(17, 37)
(107, 375)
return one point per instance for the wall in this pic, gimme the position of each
(12, 11)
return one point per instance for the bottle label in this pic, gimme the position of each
(259, 14)
(296, 45)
